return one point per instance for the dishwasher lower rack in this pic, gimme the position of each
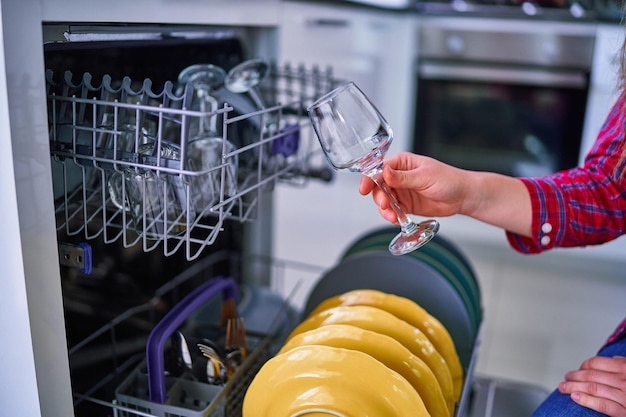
(108, 365)
(167, 169)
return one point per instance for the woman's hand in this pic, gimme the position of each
(422, 185)
(427, 187)
(599, 384)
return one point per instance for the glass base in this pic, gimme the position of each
(408, 242)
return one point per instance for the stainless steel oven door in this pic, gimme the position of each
(513, 119)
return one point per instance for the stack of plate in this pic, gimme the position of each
(355, 355)
(437, 276)
(382, 335)
(319, 381)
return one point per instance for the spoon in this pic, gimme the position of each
(182, 350)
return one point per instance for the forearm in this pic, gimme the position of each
(498, 200)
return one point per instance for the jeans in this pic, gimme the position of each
(561, 405)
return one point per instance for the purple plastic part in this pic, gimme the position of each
(288, 143)
(155, 361)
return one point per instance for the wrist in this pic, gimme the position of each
(473, 187)
(498, 200)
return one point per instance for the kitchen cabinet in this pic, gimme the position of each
(374, 48)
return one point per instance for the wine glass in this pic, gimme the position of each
(244, 78)
(355, 137)
(207, 148)
(205, 79)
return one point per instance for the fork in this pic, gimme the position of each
(228, 311)
(236, 336)
(235, 345)
(216, 362)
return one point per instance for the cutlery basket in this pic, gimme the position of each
(149, 389)
(191, 398)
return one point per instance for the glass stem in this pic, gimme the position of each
(407, 225)
(256, 97)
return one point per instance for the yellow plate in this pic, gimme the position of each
(411, 312)
(325, 380)
(386, 350)
(377, 320)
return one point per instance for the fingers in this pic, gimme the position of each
(380, 199)
(390, 176)
(384, 207)
(366, 186)
(393, 172)
(602, 405)
(389, 215)
(600, 384)
(615, 364)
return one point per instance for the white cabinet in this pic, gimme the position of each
(374, 48)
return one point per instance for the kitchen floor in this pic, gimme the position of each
(543, 314)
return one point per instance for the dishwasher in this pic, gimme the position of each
(166, 142)
(98, 285)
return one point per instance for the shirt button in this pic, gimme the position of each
(546, 228)
(545, 241)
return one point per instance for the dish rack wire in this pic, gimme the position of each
(117, 385)
(88, 118)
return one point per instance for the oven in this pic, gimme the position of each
(502, 95)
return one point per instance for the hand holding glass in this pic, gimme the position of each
(355, 137)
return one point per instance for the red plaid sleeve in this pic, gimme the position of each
(618, 334)
(584, 205)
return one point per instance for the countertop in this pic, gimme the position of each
(607, 11)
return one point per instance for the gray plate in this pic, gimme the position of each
(440, 254)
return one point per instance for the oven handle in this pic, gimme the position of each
(500, 75)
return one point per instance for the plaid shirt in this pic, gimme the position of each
(584, 205)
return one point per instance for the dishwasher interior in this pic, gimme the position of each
(166, 143)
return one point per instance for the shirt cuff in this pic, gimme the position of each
(546, 222)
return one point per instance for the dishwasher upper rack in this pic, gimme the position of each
(257, 147)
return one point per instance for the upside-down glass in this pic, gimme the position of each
(206, 145)
(355, 137)
(205, 80)
(244, 78)
(156, 201)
